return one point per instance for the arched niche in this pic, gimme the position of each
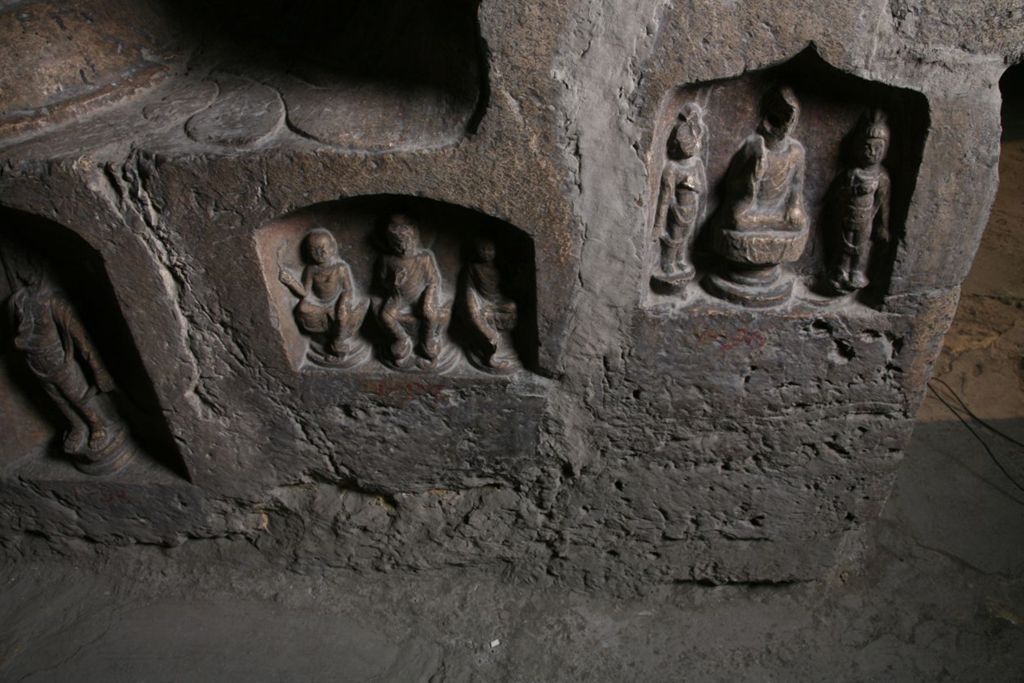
(447, 231)
(31, 423)
(831, 104)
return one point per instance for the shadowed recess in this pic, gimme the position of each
(364, 75)
(76, 270)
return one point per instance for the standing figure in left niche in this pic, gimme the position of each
(60, 354)
(327, 310)
(682, 200)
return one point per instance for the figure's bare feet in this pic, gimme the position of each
(432, 349)
(500, 364)
(841, 282)
(74, 440)
(99, 438)
(684, 271)
(340, 347)
(401, 352)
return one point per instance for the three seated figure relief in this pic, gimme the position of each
(60, 354)
(411, 312)
(761, 223)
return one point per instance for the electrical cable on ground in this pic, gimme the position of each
(974, 432)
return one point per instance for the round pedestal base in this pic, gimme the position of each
(751, 292)
(671, 284)
(358, 354)
(114, 455)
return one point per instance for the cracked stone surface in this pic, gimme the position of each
(648, 444)
(931, 590)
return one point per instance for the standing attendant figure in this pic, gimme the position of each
(861, 204)
(682, 200)
(60, 354)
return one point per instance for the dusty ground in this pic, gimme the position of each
(935, 591)
(981, 359)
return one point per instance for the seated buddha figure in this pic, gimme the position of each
(762, 223)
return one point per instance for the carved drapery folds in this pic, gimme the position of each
(59, 353)
(762, 222)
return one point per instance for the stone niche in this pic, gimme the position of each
(773, 407)
(91, 337)
(407, 426)
(362, 75)
(450, 236)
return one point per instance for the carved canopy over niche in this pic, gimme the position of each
(344, 296)
(721, 120)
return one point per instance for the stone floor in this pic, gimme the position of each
(938, 594)
(935, 591)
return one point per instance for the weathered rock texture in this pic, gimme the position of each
(646, 439)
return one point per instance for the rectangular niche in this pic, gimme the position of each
(461, 301)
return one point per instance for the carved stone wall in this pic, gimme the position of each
(370, 304)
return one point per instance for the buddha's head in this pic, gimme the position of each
(688, 134)
(29, 270)
(486, 251)
(780, 111)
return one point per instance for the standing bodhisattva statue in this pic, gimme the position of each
(59, 353)
(682, 199)
(861, 205)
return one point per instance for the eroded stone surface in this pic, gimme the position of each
(651, 438)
